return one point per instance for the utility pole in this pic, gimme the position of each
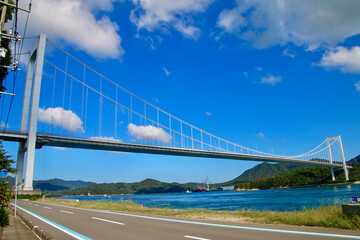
(2, 23)
(5, 4)
(3, 14)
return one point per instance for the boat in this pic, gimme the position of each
(199, 190)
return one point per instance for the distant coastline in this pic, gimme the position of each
(303, 186)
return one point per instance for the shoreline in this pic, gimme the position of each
(302, 186)
(235, 190)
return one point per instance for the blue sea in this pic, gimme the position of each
(276, 200)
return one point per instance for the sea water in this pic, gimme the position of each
(276, 200)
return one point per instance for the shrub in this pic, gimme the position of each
(5, 194)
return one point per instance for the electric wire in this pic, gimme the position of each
(24, 33)
(14, 62)
(17, 56)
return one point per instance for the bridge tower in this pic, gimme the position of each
(29, 123)
(338, 139)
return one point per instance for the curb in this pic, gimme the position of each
(35, 229)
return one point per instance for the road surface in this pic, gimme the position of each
(64, 222)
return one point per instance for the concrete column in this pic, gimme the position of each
(343, 158)
(27, 92)
(25, 116)
(330, 158)
(30, 156)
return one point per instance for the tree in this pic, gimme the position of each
(5, 190)
(5, 43)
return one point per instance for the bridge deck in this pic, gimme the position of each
(117, 146)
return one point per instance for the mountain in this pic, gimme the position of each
(301, 177)
(59, 183)
(354, 161)
(265, 170)
(145, 186)
(53, 183)
(262, 170)
(53, 187)
(44, 186)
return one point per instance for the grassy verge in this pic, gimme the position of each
(27, 196)
(329, 216)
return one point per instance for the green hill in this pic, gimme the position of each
(59, 183)
(260, 171)
(145, 186)
(354, 161)
(302, 177)
(53, 187)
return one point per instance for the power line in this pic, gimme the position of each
(17, 55)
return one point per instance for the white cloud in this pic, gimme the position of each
(167, 72)
(286, 52)
(357, 86)
(260, 135)
(80, 23)
(165, 14)
(105, 139)
(208, 114)
(148, 133)
(347, 60)
(305, 23)
(58, 117)
(270, 80)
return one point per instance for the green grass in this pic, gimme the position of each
(329, 216)
(27, 196)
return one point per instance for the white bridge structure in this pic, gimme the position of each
(81, 108)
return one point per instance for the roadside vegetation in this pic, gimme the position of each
(5, 190)
(27, 196)
(326, 216)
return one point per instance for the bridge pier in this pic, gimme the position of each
(33, 82)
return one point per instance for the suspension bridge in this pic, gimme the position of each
(82, 108)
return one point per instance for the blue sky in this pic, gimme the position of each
(270, 75)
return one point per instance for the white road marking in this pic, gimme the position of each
(48, 207)
(197, 238)
(36, 205)
(105, 220)
(66, 212)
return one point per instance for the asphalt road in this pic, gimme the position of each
(64, 222)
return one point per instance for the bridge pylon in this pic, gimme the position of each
(338, 139)
(29, 123)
